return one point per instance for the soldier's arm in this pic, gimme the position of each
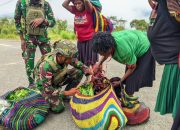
(50, 21)
(79, 65)
(49, 92)
(17, 18)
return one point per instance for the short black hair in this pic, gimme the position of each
(34, 2)
(102, 42)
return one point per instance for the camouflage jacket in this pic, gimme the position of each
(44, 74)
(20, 15)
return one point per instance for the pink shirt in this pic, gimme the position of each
(83, 24)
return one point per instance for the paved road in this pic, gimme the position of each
(12, 75)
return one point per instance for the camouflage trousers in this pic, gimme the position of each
(71, 79)
(29, 55)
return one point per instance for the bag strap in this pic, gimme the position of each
(96, 19)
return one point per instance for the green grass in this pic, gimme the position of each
(59, 31)
(53, 36)
(9, 36)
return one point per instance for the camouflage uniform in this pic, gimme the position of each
(50, 77)
(33, 40)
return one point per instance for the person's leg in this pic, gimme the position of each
(176, 123)
(55, 101)
(44, 48)
(28, 56)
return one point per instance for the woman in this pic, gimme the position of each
(131, 48)
(164, 37)
(84, 29)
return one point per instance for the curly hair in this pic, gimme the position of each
(102, 42)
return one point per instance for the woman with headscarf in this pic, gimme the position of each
(164, 37)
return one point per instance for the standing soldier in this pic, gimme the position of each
(37, 16)
(51, 73)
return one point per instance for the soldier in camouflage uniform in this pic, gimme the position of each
(51, 73)
(32, 18)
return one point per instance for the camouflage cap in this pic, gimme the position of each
(66, 48)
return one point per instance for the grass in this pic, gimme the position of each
(52, 35)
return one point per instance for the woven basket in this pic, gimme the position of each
(102, 111)
(26, 113)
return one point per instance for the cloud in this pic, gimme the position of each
(125, 9)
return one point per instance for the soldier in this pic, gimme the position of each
(37, 16)
(51, 73)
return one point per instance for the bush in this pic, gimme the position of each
(5, 31)
(67, 35)
(8, 30)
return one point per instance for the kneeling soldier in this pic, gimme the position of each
(51, 73)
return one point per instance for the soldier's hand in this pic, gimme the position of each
(96, 68)
(23, 45)
(72, 92)
(88, 71)
(35, 23)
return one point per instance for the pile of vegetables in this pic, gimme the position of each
(97, 83)
(100, 82)
(87, 89)
(18, 94)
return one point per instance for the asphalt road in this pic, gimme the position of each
(12, 75)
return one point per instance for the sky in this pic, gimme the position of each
(125, 9)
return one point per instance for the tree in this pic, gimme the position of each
(61, 25)
(4, 21)
(139, 24)
(119, 24)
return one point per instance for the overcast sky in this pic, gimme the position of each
(125, 9)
